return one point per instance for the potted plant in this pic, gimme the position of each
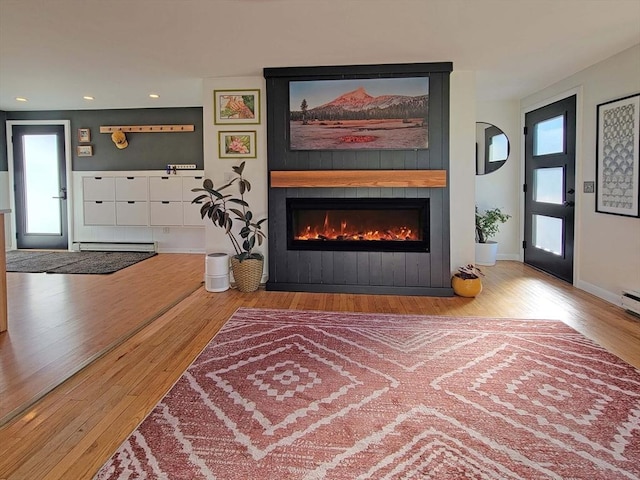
(487, 226)
(466, 281)
(220, 207)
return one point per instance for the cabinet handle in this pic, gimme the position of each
(129, 201)
(98, 201)
(164, 201)
(130, 178)
(165, 178)
(198, 178)
(98, 178)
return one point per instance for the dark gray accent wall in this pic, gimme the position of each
(146, 151)
(4, 166)
(405, 273)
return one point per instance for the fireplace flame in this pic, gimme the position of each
(350, 233)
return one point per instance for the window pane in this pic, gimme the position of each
(548, 185)
(41, 184)
(498, 148)
(547, 233)
(548, 136)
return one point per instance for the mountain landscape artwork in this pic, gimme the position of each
(375, 113)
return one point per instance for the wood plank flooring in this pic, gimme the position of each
(59, 323)
(74, 429)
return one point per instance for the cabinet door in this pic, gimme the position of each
(165, 213)
(189, 183)
(98, 188)
(165, 189)
(99, 213)
(132, 213)
(131, 189)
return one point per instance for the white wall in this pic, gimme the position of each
(502, 187)
(215, 168)
(462, 171)
(607, 246)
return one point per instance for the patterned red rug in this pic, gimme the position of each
(282, 394)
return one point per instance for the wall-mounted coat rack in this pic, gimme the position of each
(147, 128)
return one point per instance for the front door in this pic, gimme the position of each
(40, 186)
(550, 146)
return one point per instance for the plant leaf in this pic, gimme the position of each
(239, 202)
(207, 184)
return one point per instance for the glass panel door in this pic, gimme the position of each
(41, 187)
(550, 188)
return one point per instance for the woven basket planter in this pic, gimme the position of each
(247, 273)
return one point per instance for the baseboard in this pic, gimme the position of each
(508, 256)
(599, 292)
(115, 247)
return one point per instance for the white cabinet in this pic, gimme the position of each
(99, 194)
(166, 213)
(166, 200)
(132, 208)
(141, 200)
(191, 211)
(132, 213)
(98, 188)
(162, 189)
(99, 213)
(131, 189)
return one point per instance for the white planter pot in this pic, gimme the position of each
(486, 253)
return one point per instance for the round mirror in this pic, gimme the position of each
(492, 148)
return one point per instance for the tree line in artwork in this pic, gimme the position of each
(412, 107)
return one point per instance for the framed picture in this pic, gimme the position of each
(237, 144)
(618, 157)
(357, 114)
(84, 135)
(236, 107)
(84, 150)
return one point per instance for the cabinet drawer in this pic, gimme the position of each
(98, 188)
(99, 213)
(192, 215)
(132, 213)
(187, 184)
(165, 189)
(131, 188)
(165, 213)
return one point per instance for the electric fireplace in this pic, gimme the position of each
(358, 224)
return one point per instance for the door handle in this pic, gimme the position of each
(570, 203)
(571, 191)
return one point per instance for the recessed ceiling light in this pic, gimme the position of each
(21, 99)
(154, 95)
(88, 97)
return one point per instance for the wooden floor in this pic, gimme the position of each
(59, 323)
(74, 429)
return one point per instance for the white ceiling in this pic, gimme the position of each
(55, 51)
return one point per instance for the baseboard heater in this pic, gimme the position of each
(631, 301)
(117, 247)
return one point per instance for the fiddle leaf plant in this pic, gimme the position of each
(219, 207)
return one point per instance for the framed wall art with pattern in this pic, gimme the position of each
(618, 157)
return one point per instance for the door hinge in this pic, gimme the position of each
(524, 187)
(524, 244)
(525, 131)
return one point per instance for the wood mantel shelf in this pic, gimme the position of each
(358, 178)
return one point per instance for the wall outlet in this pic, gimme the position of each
(589, 187)
(166, 230)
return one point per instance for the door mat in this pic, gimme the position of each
(72, 262)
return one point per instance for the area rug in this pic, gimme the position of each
(316, 395)
(36, 261)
